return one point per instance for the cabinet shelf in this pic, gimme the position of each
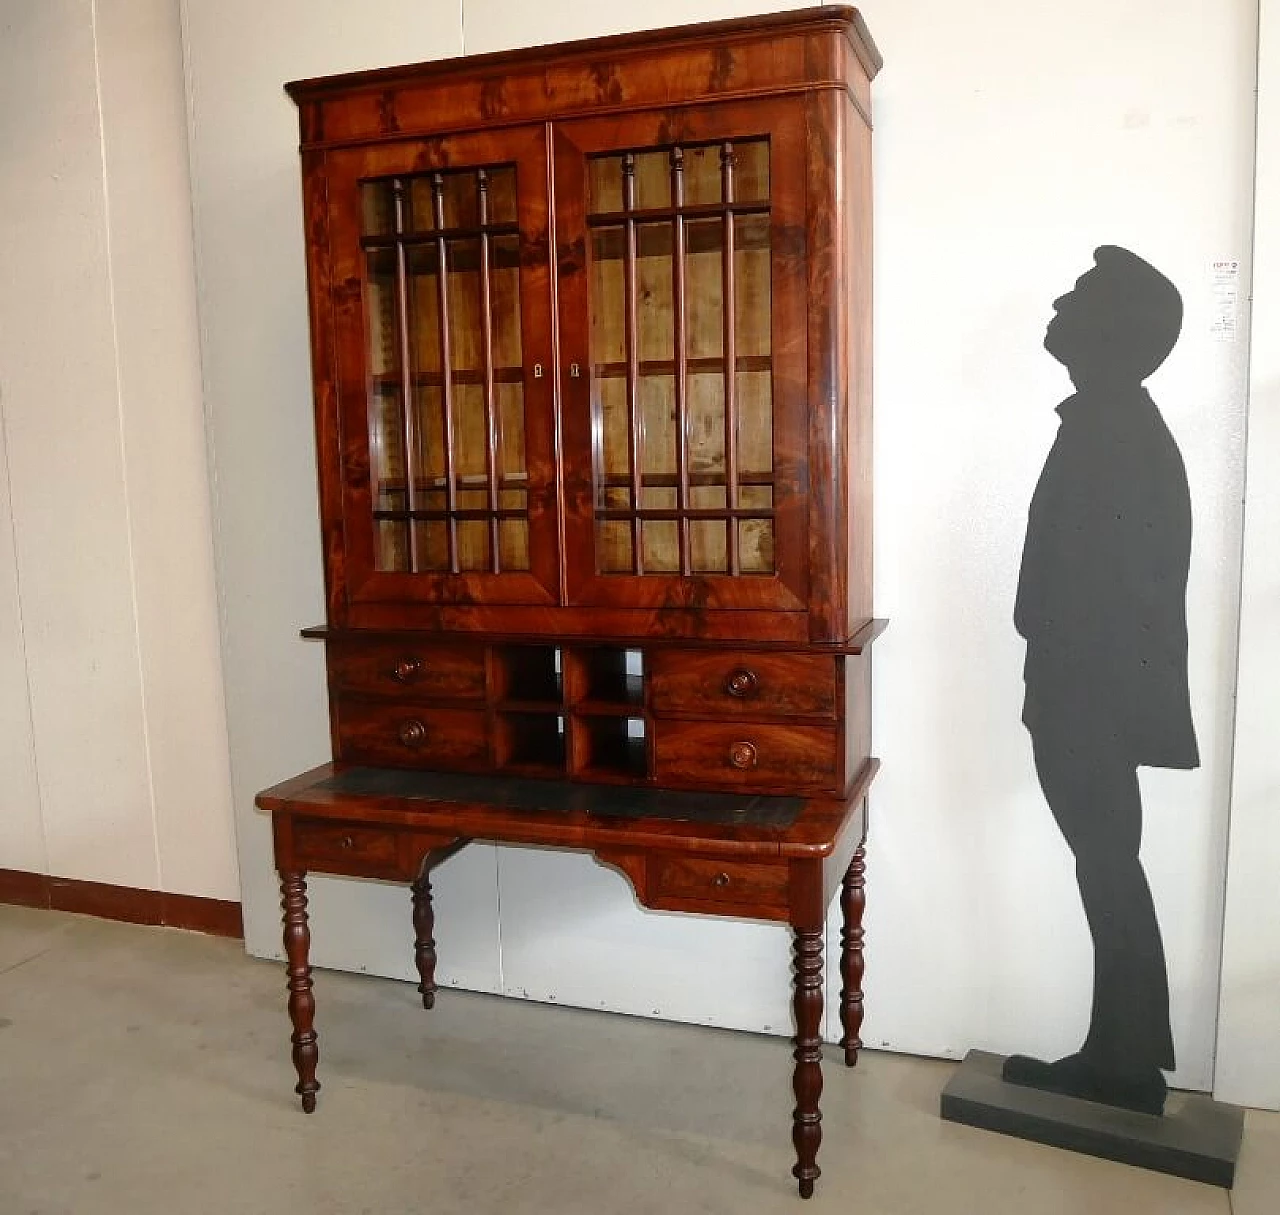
(391, 382)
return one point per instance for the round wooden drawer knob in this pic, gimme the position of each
(742, 755)
(412, 732)
(742, 682)
(406, 670)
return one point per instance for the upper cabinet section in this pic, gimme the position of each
(591, 335)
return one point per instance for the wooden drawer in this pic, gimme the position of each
(746, 754)
(712, 881)
(341, 848)
(408, 667)
(739, 683)
(410, 734)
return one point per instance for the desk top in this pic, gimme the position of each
(567, 814)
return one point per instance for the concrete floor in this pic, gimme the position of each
(147, 1070)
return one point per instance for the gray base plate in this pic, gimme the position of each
(1197, 1138)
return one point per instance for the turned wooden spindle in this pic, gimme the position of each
(424, 945)
(302, 1004)
(853, 902)
(806, 1122)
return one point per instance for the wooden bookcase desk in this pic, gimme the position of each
(789, 875)
(591, 352)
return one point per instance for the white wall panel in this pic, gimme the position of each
(66, 469)
(149, 214)
(21, 828)
(1248, 1062)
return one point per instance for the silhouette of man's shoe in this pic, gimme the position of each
(1075, 1076)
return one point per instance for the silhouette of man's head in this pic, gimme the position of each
(1118, 324)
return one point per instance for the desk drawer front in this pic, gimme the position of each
(341, 848)
(408, 668)
(746, 754)
(411, 734)
(718, 881)
(742, 684)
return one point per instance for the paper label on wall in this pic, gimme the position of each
(1224, 288)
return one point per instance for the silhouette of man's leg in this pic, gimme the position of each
(1093, 793)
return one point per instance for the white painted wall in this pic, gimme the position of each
(1012, 138)
(1248, 1063)
(115, 765)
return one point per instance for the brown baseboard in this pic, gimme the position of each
(128, 903)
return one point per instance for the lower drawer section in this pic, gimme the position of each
(746, 755)
(736, 882)
(405, 734)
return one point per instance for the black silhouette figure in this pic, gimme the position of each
(1102, 605)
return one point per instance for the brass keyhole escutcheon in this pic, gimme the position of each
(742, 755)
(406, 670)
(347, 843)
(413, 733)
(742, 682)
(721, 880)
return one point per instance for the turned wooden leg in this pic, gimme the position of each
(853, 901)
(302, 1004)
(424, 945)
(806, 1122)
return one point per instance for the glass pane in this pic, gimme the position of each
(386, 451)
(660, 546)
(613, 547)
(604, 184)
(655, 314)
(657, 395)
(510, 402)
(461, 200)
(615, 431)
(705, 426)
(608, 301)
(392, 545)
(419, 205)
(376, 208)
(707, 546)
(424, 309)
(513, 544)
(504, 301)
(470, 437)
(704, 285)
(751, 270)
(751, 170)
(702, 174)
(429, 402)
(653, 179)
(755, 425)
(465, 336)
(380, 304)
(473, 544)
(433, 545)
(502, 195)
(755, 546)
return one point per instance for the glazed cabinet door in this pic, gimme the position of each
(442, 300)
(681, 247)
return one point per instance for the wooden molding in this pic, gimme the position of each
(130, 904)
